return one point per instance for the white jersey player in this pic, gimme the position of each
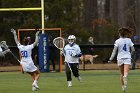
(26, 60)
(72, 53)
(124, 47)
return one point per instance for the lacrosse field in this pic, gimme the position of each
(93, 81)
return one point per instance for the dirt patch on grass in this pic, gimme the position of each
(112, 66)
(9, 68)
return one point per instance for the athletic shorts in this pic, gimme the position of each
(28, 67)
(124, 61)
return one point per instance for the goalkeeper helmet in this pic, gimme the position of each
(71, 39)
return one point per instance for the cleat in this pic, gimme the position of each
(34, 88)
(69, 84)
(53, 71)
(123, 88)
(79, 78)
(35, 85)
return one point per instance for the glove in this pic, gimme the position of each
(78, 55)
(13, 31)
(73, 54)
(37, 33)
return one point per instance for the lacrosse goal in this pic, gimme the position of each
(51, 33)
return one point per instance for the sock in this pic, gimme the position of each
(35, 82)
(123, 86)
(69, 81)
(126, 74)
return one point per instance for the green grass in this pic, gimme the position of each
(95, 81)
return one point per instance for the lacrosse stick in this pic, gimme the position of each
(59, 43)
(4, 45)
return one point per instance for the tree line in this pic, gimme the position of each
(83, 18)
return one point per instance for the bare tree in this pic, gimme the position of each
(137, 17)
(121, 12)
(113, 11)
(90, 13)
(101, 8)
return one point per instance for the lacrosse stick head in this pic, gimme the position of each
(59, 42)
(3, 44)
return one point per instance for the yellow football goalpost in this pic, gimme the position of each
(42, 20)
(30, 9)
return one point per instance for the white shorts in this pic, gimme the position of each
(28, 67)
(124, 61)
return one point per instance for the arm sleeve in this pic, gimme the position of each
(132, 47)
(132, 50)
(15, 37)
(79, 54)
(113, 53)
(36, 38)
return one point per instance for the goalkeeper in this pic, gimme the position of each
(72, 53)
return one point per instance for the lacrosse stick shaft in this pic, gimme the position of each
(21, 69)
(15, 57)
(19, 62)
(69, 66)
(4, 45)
(59, 43)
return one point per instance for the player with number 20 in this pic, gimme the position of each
(26, 60)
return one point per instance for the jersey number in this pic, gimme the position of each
(24, 54)
(124, 47)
